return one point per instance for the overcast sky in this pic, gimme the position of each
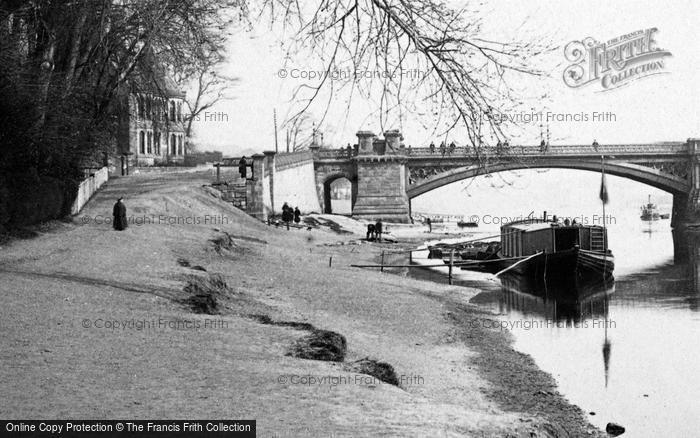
(657, 108)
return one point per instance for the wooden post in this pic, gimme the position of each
(452, 256)
(382, 268)
(410, 256)
(330, 261)
(218, 173)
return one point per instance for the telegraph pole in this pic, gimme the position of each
(274, 118)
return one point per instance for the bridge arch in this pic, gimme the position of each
(646, 175)
(325, 187)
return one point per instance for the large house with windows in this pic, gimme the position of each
(154, 133)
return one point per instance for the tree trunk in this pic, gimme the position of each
(75, 51)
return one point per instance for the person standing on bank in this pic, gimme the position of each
(297, 215)
(370, 232)
(287, 214)
(119, 214)
(378, 230)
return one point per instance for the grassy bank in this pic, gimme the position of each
(199, 311)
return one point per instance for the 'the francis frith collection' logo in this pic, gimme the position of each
(616, 62)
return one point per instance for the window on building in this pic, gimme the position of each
(179, 112)
(172, 111)
(179, 145)
(150, 142)
(156, 142)
(173, 144)
(148, 108)
(142, 142)
(139, 107)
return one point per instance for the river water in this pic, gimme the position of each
(628, 352)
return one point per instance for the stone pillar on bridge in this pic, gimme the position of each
(381, 181)
(270, 173)
(393, 141)
(365, 141)
(314, 150)
(686, 206)
(255, 189)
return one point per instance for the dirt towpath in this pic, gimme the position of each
(96, 325)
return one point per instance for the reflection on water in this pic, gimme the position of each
(628, 351)
(569, 301)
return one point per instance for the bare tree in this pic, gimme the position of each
(411, 55)
(209, 88)
(66, 66)
(299, 132)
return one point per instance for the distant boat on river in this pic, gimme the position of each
(650, 211)
(464, 224)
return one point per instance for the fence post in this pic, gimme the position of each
(330, 261)
(410, 256)
(452, 256)
(382, 268)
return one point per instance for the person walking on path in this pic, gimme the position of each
(378, 230)
(430, 225)
(119, 214)
(297, 215)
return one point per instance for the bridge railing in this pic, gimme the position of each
(622, 149)
(671, 148)
(330, 154)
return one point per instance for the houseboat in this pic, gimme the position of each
(544, 248)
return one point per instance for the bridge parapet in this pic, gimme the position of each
(675, 148)
(290, 159)
(333, 154)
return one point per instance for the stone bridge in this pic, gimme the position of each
(385, 175)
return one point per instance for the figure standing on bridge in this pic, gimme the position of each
(543, 146)
(442, 148)
(453, 147)
(499, 147)
(297, 215)
(119, 213)
(432, 147)
(595, 145)
(242, 167)
(430, 225)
